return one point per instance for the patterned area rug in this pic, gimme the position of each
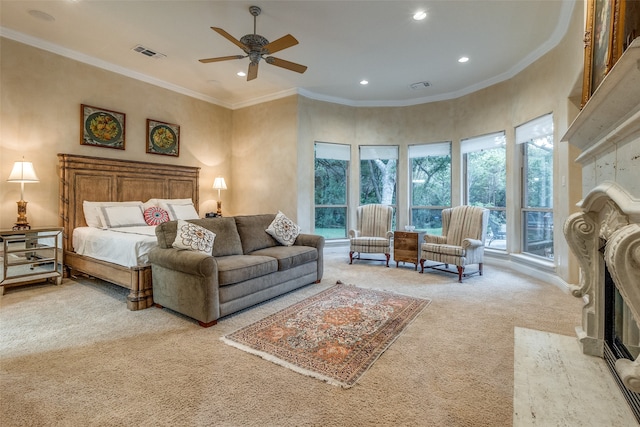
(335, 335)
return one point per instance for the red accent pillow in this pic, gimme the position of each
(155, 215)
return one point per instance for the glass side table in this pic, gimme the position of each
(30, 256)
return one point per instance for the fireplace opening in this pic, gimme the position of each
(621, 335)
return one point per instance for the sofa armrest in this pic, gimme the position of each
(471, 243)
(190, 262)
(432, 238)
(314, 241)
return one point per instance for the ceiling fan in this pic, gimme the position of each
(256, 47)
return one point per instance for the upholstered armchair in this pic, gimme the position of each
(373, 232)
(464, 230)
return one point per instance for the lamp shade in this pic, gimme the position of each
(23, 172)
(219, 184)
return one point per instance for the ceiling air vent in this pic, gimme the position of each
(419, 85)
(148, 52)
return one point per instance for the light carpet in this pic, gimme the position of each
(335, 335)
(73, 355)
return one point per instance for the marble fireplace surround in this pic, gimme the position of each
(607, 230)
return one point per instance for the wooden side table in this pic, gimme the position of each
(30, 256)
(406, 247)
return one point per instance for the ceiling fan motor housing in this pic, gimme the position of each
(254, 41)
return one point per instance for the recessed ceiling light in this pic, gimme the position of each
(364, 82)
(241, 73)
(420, 15)
(463, 59)
(41, 15)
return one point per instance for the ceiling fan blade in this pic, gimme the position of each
(229, 37)
(221, 58)
(286, 64)
(281, 43)
(253, 71)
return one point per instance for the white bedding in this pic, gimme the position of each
(127, 246)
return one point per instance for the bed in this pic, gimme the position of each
(84, 178)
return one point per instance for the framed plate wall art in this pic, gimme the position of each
(163, 138)
(102, 128)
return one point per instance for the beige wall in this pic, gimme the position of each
(264, 158)
(40, 117)
(544, 87)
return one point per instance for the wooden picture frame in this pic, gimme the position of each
(603, 42)
(163, 138)
(100, 127)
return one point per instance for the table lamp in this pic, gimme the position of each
(219, 184)
(22, 172)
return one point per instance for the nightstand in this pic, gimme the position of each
(30, 256)
(406, 247)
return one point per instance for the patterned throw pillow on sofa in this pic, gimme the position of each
(283, 230)
(194, 238)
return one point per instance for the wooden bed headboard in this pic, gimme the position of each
(99, 179)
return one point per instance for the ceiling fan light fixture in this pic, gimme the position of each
(241, 74)
(256, 47)
(364, 82)
(463, 59)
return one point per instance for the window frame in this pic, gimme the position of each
(540, 128)
(412, 153)
(370, 150)
(345, 149)
(473, 145)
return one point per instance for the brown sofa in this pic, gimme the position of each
(247, 267)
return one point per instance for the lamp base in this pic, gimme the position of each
(21, 222)
(219, 211)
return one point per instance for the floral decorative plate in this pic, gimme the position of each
(103, 129)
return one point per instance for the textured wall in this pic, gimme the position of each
(40, 115)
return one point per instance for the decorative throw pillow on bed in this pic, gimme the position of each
(194, 238)
(283, 230)
(122, 216)
(182, 211)
(155, 215)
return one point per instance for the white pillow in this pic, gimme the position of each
(92, 211)
(283, 229)
(162, 203)
(122, 216)
(181, 211)
(194, 238)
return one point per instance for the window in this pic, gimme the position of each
(485, 179)
(379, 175)
(536, 140)
(430, 185)
(331, 173)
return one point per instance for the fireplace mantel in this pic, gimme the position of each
(605, 235)
(612, 114)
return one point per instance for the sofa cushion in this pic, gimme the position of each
(251, 229)
(238, 268)
(289, 256)
(227, 238)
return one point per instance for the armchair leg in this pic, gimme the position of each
(422, 265)
(460, 271)
(388, 256)
(351, 257)
(480, 268)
